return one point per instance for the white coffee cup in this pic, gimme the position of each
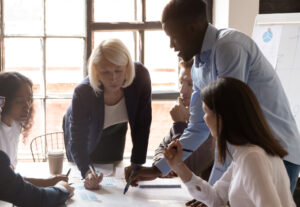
(55, 160)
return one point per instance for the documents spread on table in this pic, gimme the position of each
(154, 193)
(161, 183)
(106, 169)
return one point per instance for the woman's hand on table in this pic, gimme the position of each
(66, 186)
(92, 180)
(55, 179)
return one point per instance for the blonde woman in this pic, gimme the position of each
(116, 92)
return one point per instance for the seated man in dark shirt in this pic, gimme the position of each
(201, 160)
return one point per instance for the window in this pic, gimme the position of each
(49, 41)
(45, 41)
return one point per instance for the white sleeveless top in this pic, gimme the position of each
(115, 114)
(9, 140)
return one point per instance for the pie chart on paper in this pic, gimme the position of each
(267, 36)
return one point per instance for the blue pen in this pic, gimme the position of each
(135, 167)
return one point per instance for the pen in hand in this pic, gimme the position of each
(92, 169)
(92, 179)
(135, 167)
(183, 149)
(175, 148)
(68, 173)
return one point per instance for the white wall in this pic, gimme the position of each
(238, 14)
(221, 13)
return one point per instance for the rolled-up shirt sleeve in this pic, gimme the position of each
(213, 196)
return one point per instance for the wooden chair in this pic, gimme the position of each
(40, 145)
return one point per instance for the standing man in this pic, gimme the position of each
(225, 53)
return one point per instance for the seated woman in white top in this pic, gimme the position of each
(257, 176)
(16, 119)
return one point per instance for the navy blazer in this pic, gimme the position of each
(14, 189)
(83, 122)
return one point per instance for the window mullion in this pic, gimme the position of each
(89, 30)
(142, 34)
(44, 80)
(1, 37)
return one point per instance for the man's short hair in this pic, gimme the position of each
(184, 9)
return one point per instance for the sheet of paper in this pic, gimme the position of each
(106, 169)
(161, 183)
(111, 194)
(111, 181)
(268, 39)
(86, 195)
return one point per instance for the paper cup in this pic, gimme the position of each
(55, 160)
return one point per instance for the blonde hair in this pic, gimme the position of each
(115, 52)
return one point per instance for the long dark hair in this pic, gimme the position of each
(243, 121)
(10, 83)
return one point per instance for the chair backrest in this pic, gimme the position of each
(40, 145)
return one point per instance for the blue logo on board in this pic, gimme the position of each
(267, 36)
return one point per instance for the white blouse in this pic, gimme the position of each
(254, 179)
(115, 114)
(9, 140)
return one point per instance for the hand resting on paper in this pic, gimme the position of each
(65, 185)
(92, 180)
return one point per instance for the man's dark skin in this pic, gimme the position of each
(186, 37)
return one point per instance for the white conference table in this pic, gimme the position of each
(112, 186)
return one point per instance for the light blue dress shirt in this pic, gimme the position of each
(229, 53)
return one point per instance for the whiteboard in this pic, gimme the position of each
(278, 36)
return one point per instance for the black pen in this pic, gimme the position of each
(68, 173)
(183, 149)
